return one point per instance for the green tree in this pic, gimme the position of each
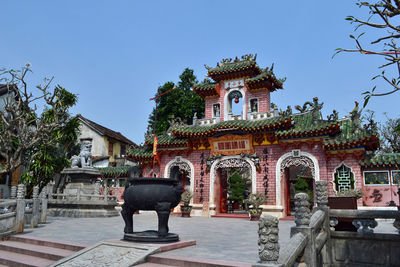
(389, 138)
(180, 104)
(236, 189)
(28, 137)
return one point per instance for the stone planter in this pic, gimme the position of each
(344, 203)
(254, 217)
(185, 210)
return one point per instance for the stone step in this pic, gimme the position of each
(40, 251)
(20, 260)
(149, 264)
(169, 260)
(232, 215)
(47, 242)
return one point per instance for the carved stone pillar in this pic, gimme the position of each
(268, 237)
(302, 210)
(35, 207)
(13, 194)
(321, 191)
(20, 210)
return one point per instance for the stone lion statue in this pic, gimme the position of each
(84, 159)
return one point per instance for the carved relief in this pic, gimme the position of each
(268, 236)
(232, 163)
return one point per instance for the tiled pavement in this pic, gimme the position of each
(217, 238)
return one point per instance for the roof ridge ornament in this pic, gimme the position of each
(315, 108)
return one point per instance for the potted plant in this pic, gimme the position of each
(186, 208)
(254, 202)
(346, 200)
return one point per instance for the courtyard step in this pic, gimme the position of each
(20, 250)
(169, 260)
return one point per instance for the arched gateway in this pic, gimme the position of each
(229, 162)
(290, 168)
(186, 169)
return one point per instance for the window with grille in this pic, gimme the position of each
(344, 178)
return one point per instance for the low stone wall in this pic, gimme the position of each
(359, 249)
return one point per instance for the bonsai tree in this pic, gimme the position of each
(186, 208)
(186, 197)
(255, 201)
(236, 188)
(303, 187)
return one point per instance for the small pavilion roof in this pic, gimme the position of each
(266, 79)
(234, 70)
(206, 88)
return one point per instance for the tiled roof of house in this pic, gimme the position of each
(249, 126)
(381, 161)
(106, 131)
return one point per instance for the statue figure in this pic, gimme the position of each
(315, 108)
(334, 116)
(84, 159)
(355, 116)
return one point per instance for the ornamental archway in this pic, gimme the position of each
(295, 160)
(185, 167)
(228, 162)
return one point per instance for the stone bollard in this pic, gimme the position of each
(321, 191)
(44, 201)
(35, 207)
(20, 210)
(302, 213)
(97, 190)
(268, 237)
(13, 194)
(302, 220)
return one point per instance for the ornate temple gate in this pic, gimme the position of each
(291, 169)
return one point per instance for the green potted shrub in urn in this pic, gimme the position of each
(185, 207)
(254, 202)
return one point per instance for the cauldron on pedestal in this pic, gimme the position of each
(159, 194)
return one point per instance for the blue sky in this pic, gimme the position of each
(114, 54)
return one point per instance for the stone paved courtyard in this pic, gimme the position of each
(217, 238)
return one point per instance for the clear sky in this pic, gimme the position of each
(115, 54)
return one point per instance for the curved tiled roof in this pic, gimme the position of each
(206, 88)
(349, 137)
(167, 140)
(304, 126)
(266, 79)
(382, 161)
(234, 70)
(141, 153)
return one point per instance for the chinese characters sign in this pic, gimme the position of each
(234, 84)
(231, 145)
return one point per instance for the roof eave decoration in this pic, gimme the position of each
(228, 126)
(386, 160)
(369, 143)
(229, 69)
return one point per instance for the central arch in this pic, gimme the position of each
(289, 159)
(231, 162)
